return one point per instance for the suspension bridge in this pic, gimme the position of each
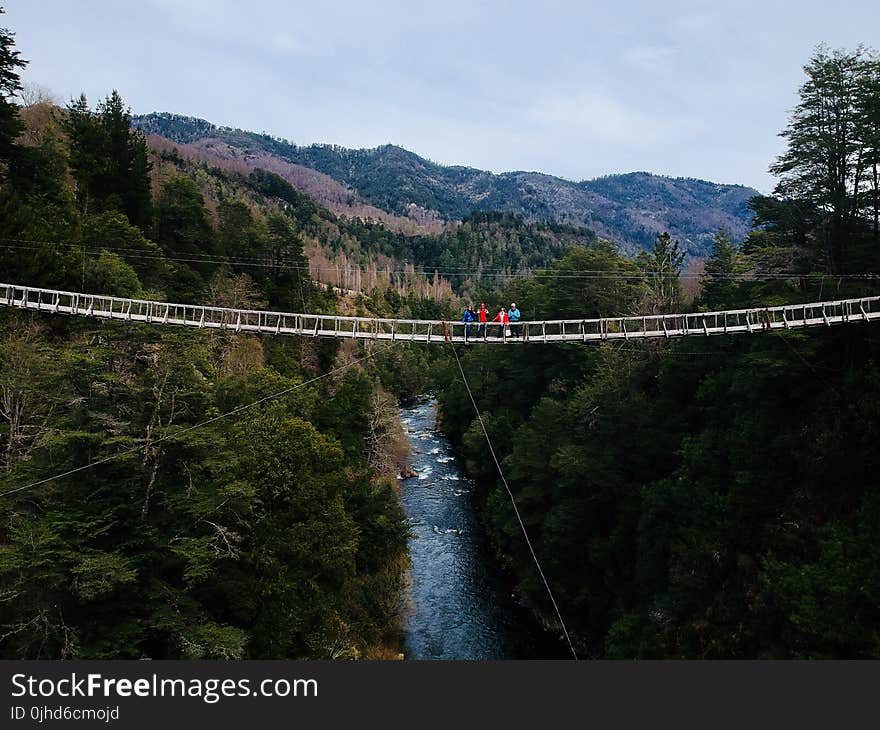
(756, 319)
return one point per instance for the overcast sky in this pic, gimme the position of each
(577, 89)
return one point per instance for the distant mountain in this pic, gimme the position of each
(629, 209)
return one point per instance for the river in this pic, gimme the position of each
(460, 604)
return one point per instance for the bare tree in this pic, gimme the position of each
(32, 94)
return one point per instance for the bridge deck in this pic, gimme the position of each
(436, 331)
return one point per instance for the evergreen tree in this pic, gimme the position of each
(825, 163)
(86, 142)
(126, 185)
(662, 268)
(868, 130)
(236, 232)
(290, 278)
(10, 84)
(719, 285)
(109, 159)
(182, 227)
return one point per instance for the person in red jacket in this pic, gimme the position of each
(483, 315)
(502, 320)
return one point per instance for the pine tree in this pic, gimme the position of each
(868, 130)
(182, 224)
(825, 164)
(290, 276)
(127, 182)
(86, 146)
(718, 283)
(109, 159)
(10, 84)
(662, 268)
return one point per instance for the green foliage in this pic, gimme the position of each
(109, 274)
(182, 226)
(832, 152)
(291, 285)
(719, 275)
(720, 502)
(112, 232)
(662, 267)
(717, 503)
(691, 506)
(594, 279)
(253, 537)
(37, 215)
(407, 371)
(267, 534)
(272, 185)
(236, 232)
(10, 84)
(99, 574)
(108, 159)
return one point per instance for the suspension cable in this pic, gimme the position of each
(201, 424)
(515, 508)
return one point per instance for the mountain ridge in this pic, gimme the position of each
(630, 209)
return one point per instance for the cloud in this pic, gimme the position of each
(598, 117)
(289, 45)
(580, 88)
(696, 22)
(242, 26)
(650, 58)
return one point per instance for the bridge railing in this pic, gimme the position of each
(675, 325)
(321, 325)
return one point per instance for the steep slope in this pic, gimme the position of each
(629, 209)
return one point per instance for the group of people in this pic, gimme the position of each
(477, 322)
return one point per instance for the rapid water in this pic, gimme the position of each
(460, 604)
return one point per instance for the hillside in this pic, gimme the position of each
(629, 209)
(360, 252)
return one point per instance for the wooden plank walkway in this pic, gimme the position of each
(758, 319)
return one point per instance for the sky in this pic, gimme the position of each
(577, 89)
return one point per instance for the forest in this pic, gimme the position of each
(135, 520)
(193, 494)
(717, 497)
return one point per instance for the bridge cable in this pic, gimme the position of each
(446, 270)
(233, 412)
(513, 502)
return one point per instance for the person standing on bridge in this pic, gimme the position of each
(467, 317)
(484, 316)
(502, 320)
(514, 315)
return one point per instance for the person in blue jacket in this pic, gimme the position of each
(467, 317)
(514, 316)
